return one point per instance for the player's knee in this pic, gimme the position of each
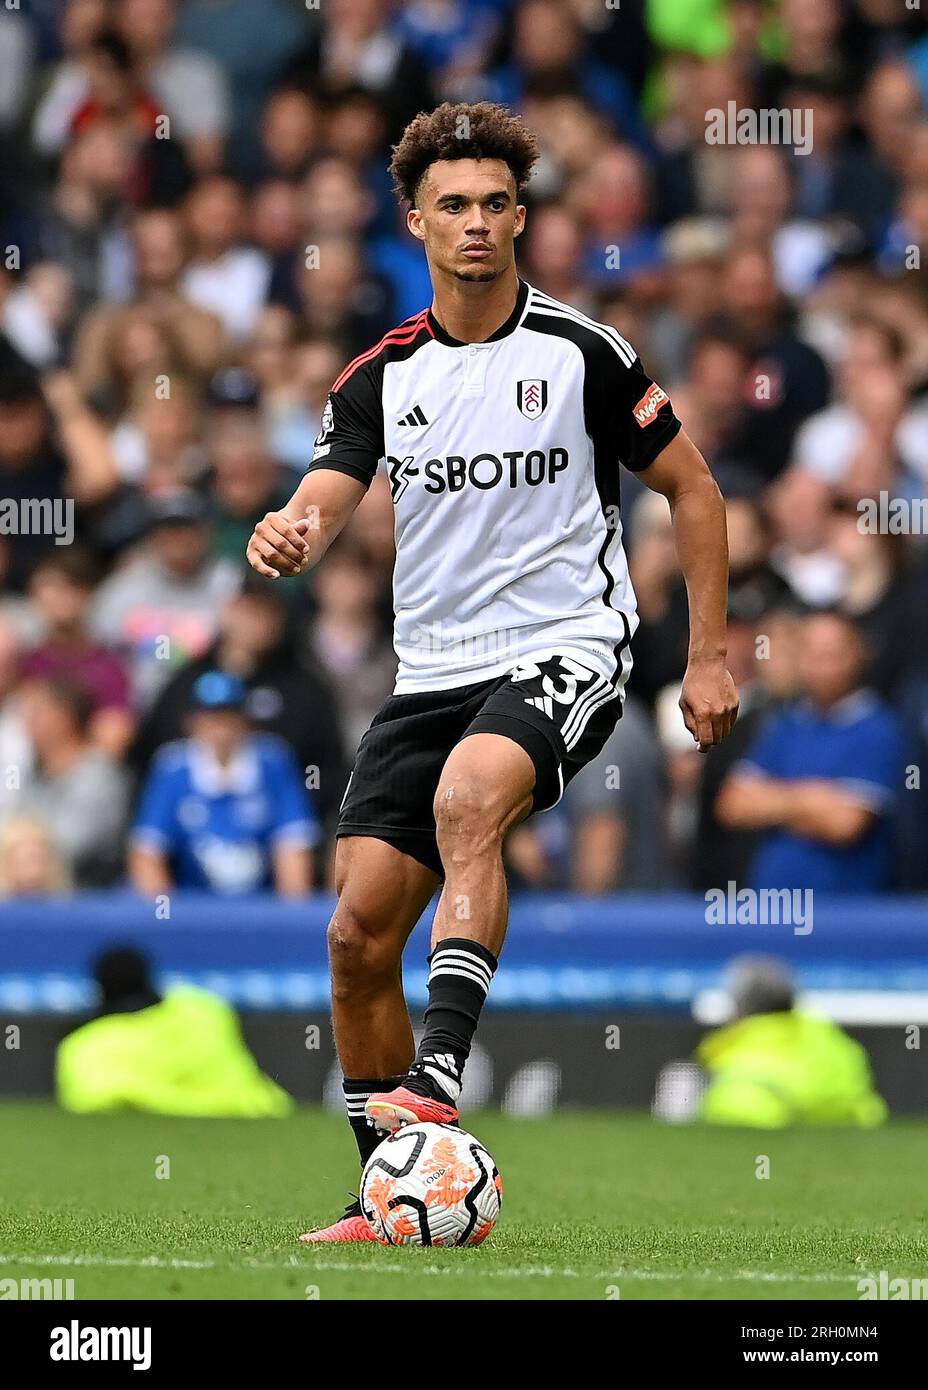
(467, 821)
(361, 959)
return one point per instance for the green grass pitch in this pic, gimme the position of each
(596, 1206)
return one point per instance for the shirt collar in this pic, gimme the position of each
(503, 331)
(208, 777)
(857, 705)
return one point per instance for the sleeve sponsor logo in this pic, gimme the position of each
(650, 403)
(326, 426)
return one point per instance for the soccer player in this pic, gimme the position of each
(502, 417)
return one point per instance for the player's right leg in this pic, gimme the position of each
(382, 893)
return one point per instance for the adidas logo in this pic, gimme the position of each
(542, 702)
(415, 417)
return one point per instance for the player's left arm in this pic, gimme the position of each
(709, 700)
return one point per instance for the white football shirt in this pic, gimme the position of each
(503, 461)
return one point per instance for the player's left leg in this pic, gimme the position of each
(486, 787)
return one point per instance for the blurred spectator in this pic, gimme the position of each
(661, 638)
(452, 37)
(291, 132)
(61, 588)
(244, 481)
(822, 778)
(251, 44)
(294, 380)
(620, 39)
(720, 853)
(554, 256)
(882, 594)
(18, 617)
(15, 749)
(81, 21)
(613, 200)
(346, 302)
(188, 85)
(156, 445)
(52, 455)
(113, 92)
(191, 86)
(355, 131)
(347, 638)
(286, 697)
(31, 865)
(35, 312)
(754, 586)
(275, 229)
(822, 177)
(16, 62)
(195, 334)
(223, 275)
(135, 1054)
(607, 833)
(858, 444)
(701, 844)
(693, 251)
(787, 379)
(800, 506)
(713, 401)
(161, 608)
(693, 177)
(223, 810)
(30, 464)
(777, 1064)
(888, 112)
(812, 42)
(549, 51)
(359, 46)
(762, 213)
(73, 787)
(80, 220)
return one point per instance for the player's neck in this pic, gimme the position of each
(473, 310)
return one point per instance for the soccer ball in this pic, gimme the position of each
(431, 1185)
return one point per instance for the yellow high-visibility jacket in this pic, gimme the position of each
(772, 1070)
(183, 1056)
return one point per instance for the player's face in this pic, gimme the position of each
(468, 217)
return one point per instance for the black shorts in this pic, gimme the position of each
(558, 710)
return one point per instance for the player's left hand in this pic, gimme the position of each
(709, 702)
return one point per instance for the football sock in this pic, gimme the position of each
(356, 1093)
(459, 978)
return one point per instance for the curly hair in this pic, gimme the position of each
(462, 130)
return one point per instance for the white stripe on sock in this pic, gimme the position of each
(456, 953)
(465, 974)
(463, 958)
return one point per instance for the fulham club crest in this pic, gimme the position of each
(532, 398)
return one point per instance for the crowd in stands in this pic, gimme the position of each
(197, 233)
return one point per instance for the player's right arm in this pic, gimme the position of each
(295, 539)
(347, 450)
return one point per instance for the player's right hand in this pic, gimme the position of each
(279, 546)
